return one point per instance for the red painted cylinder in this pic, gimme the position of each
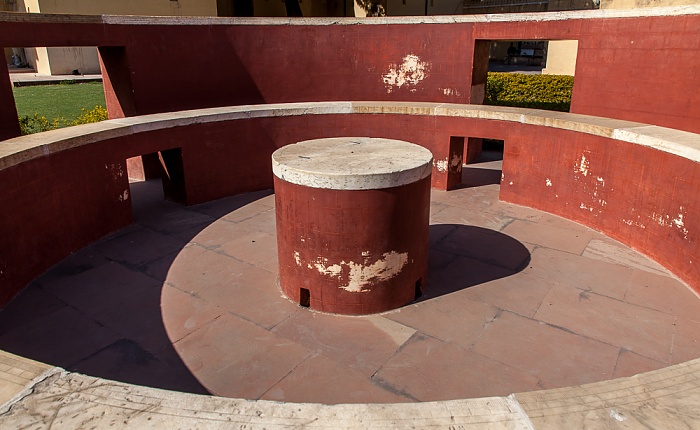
(352, 223)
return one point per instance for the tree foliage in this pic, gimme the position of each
(372, 7)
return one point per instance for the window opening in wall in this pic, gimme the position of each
(531, 74)
(56, 87)
(484, 169)
(156, 181)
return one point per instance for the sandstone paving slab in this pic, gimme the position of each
(126, 361)
(522, 294)
(630, 364)
(225, 206)
(462, 273)
(235, 358)
(138, 319)
(614, 252)
(86, 259)
(472, 217)
(196, 269)
(686, 340)
(254, 296)
(15, 315)
(562, 268)
(360, 343)
(165, 216)
(561, 356)
(436, 208)
(244, 244)
(467, 373)
(98, 289)
(559, 238)
(452, 318)
(139, 247)
(663, 293)
(437, 232)
(253, 247)
(183, 313)
(322, 380)
(514, 211)
(264, 221)
(642, 330)
(547, 220)
(61, 338)
(486, 245)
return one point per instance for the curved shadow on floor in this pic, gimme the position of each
(462, 256)
(98, 312)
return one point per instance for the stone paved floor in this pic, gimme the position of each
(517, 300)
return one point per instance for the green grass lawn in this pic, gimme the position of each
(56, 101)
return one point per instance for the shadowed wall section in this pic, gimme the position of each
(632, 181)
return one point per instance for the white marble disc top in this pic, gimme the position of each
(352, 163)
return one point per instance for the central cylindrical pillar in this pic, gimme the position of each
(352, 223)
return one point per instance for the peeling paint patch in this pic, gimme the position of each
(636, 223)
(296, 258)
(409, 73)
(332, 270)
(510, 183)
(450, 92)
(440, 165)
(582, 166)
(680, 225)
(361, 276)
(548, 182)
(115, 169)
(124, 196)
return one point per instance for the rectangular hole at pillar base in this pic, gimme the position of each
(419, 289)
(304, 297)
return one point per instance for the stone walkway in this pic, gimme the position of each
(517, 300)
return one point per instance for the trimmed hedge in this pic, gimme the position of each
(550, 92)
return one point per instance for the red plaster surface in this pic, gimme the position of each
(323, 227)
(51, 209)
(638, 195)
(643, 201)
(642, 70)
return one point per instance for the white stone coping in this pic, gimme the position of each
(24, 148)
(352, 163)
(664, 398)
(692, 9)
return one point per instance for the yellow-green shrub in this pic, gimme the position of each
(96, 114)
(37, 123)
(551, 92)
